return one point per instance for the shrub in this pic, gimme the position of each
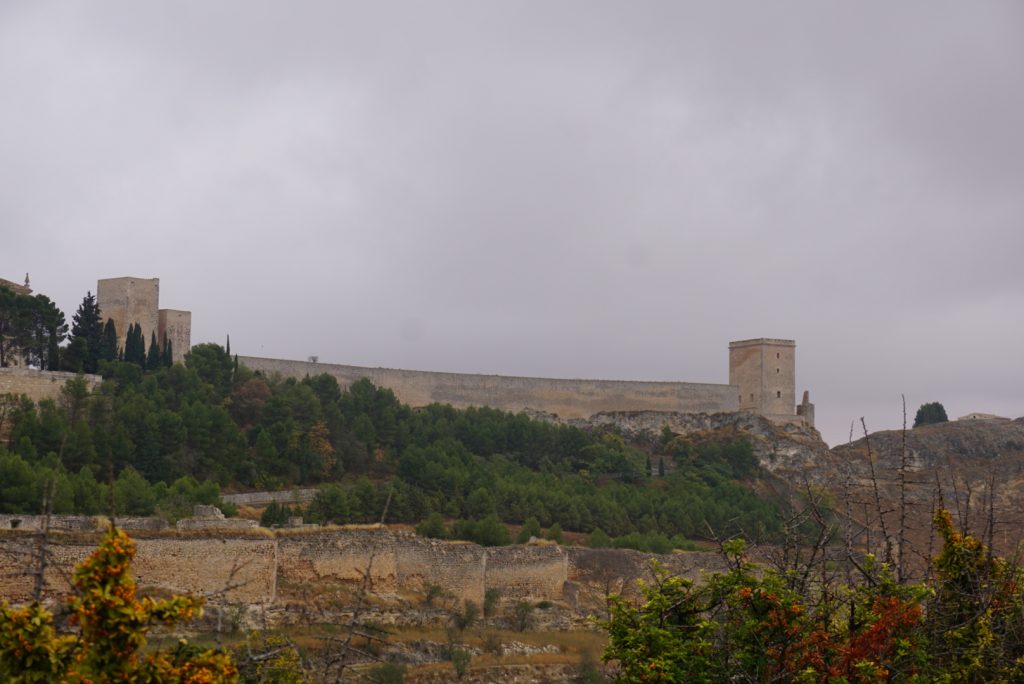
(386, 673)
(112, 626)
(464, 619)
(460, 661)
(522, 615)
(433, 527)
(491, 598)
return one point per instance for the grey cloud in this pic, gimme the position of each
(569, 189)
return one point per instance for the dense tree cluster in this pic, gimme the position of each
(163, 430)
(930, 413)
(32, 329)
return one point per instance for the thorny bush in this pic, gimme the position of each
(965, 623)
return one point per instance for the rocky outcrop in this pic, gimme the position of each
(782, 449)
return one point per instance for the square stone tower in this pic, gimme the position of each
(132, 300)
(128, 301)
(764, 369)
(176, 328)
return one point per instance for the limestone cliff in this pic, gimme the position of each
(963, 466)
(791, 448)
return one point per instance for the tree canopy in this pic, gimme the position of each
(930, 413)
(32, 329)
(111, 642)
(208, 422)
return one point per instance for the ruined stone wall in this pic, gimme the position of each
(528, 572)
(128, 301)
(324, 567)
(38, 385)
(458, 569)
(245, 567)
(332, 562)
(563, 397)
(231, 569)
(288, 496)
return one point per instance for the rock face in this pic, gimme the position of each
(963, 466)
(782, 449)
(975, 469)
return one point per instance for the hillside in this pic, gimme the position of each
(167, 437)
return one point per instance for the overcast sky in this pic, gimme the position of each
(566, 189)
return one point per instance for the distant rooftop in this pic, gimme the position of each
(762, 340)
(15, 287)
(982, 416)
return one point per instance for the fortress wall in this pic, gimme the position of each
(290, 496)
(309, 568)
(333, 560)
(456, 568)
(527, 572)
(181, 565)
(18, 559)
(38, 385)
(244, 567)
(564, 397)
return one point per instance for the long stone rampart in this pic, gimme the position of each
(565, 398)
(326, 566)
(287, 496)
(38, 385)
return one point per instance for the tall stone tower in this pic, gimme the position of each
(764, 370)
(128, 301)
(132, 300)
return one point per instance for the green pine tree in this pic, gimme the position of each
(108, 345)
(87, 326)
(153, 360)
(168, 359)
(135, 346)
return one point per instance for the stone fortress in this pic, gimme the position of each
(762, 373)
(129, 300)
(762, 380)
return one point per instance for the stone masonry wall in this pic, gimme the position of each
(130, 300)
(38, 385)
(235, 570)
(459, 569)
(528, 572)
(325, 567)
(329, 561)
(174, 326)
(332, 561)
(565, 398)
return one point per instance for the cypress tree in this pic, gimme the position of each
(86, 324)
(135, 346)
(128, 353)
(168, 358)
(153, 360)
(140, 346)
(129, 345)
(108, 347)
